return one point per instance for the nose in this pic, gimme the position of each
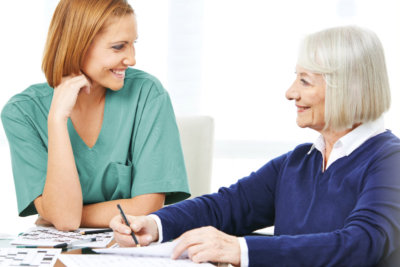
(130, 59)
(292, 93)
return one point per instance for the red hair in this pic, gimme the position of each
(73, 27)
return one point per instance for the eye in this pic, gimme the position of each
(304, 82)
(118, 47)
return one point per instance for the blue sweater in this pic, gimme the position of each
(348, 215)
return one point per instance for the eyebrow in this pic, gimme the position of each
(118, 42)
(124, 42)
(304, 74)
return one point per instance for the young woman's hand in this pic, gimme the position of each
(65, 96)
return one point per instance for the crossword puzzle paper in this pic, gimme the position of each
(28, 257)
(49, 236)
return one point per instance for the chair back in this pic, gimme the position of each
(197, 138)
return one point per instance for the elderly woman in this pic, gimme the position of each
(333, 203)
(98, 132)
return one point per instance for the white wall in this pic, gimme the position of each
(231, 59)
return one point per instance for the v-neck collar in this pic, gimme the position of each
(77, 138)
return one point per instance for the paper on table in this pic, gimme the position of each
(49, 236)
(88, 260)
(6, 236)
(28, 257)
(154, 250)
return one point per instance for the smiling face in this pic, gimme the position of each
(111, 52)
(308, 91)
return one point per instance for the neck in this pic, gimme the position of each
(94, 98)
(331, 137)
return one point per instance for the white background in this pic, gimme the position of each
(230, 59)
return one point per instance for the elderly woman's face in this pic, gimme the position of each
(111, 52)
(308, 91)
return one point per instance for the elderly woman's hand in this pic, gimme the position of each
(144, 227)
(209, 244)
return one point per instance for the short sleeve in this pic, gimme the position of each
(157, 155)
(28, 157)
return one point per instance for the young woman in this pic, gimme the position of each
(97, 133)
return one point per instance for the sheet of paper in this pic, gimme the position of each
(6, 236)
(28, 257)
(87, 260)
(49, 236)
(154, 250)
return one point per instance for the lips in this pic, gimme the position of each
(301, 108)
(119, 73)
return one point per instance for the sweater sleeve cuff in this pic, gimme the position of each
(159, 227)
(244, 255)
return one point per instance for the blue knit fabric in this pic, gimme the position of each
(348, 215)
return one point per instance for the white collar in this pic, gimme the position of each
(351, 141)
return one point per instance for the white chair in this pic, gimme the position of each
(197, 138)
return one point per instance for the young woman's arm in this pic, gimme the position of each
(61, 201)
(100, 214)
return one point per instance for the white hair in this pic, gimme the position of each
(352, 62)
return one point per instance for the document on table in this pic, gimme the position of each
(6, 236)
(153, 250)
(28, 257)
(89, 260)
(49, 236)
(153, 255)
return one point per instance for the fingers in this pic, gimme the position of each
(121, 231)
(188, 239)
(199, 253)
(208, 244)
(145, 240)
(138, 223)
(65, 95)
(86, 83)
(118, 225)
(76, 82)
(72, 77)
(124, 240)
(144, 228)
(197, 250)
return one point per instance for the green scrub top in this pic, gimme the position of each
(137, 152)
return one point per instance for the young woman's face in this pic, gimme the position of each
(308, 91)
(111, 52)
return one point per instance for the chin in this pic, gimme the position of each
(301, 125)
(115, 87)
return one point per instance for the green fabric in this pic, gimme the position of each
(138, 150)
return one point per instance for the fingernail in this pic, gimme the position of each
(148, 238)
(127, 232)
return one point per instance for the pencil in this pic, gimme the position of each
(98, 231)
(127, 223)
(74, 243)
